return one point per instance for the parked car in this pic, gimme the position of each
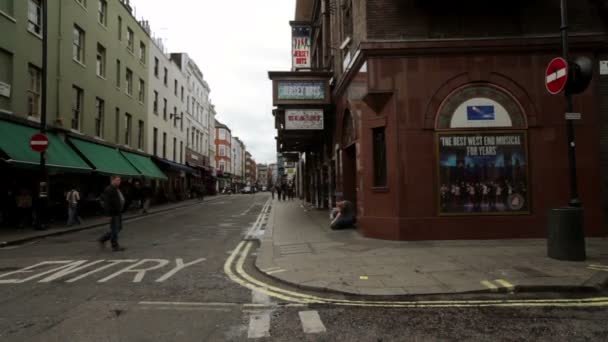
(264, 188)
(247, 190)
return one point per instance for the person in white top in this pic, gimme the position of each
(73, 198)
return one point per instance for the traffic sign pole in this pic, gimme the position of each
(574, 198)
(566, 233)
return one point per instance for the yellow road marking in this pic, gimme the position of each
(276, 292)
(598, 269)
(600, 266)
(301, 298)
(489, 285)
(505, 284)
(276, 271)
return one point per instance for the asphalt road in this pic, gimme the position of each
(170, 285)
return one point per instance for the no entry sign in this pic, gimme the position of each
(39, 142)
(556, 75)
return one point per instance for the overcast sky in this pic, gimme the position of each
(235, 43)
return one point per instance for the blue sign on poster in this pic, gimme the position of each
(475, 113)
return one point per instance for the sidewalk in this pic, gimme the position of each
(14, 236)
(299, 248)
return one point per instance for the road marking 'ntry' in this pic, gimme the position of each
(60, 269)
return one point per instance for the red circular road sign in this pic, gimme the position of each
(39, 142)
(556, 75)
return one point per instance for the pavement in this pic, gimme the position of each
(299, 248)
(15, 236)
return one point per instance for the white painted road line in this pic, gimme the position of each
(311, 322)
(259, 325)
(258, 297)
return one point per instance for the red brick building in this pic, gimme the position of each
(223, 148)
(439, 125)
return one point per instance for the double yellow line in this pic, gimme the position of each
(234, 269)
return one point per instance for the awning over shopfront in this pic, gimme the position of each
(14, 142)
(145, 165)
(172, 166)
(106, 160)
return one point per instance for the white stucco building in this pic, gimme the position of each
(200, 119)
(166, 95)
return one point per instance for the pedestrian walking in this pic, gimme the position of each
(290, 192)
(272, 191)
(113, 202)
(284, 190)
(279, 192)
(147, 198)
(73, 199)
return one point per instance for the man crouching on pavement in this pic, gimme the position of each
(113, 202)
(343, 216)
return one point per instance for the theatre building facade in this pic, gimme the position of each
(439, 124)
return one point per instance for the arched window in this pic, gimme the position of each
(480, 106)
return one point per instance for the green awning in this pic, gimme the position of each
(106, 160)
(15, 143)
(145, 165)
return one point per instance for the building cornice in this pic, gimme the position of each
(419, 47)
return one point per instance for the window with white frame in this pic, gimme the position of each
(118, 73)
(77, 105)
(155, 103)
(130, 39)
(99, 117)
(142, 52)
(117, 125)
(140, 135)
(119, 28)
(129, 81)
(102, 12)
(34, 16)
(128, 126)
(101, 60)
(142, 87)
(34, 90)
(78, 44)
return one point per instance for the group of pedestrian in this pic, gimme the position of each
(284, 191)
(20, 207)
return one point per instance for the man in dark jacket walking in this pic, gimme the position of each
(113, 202)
